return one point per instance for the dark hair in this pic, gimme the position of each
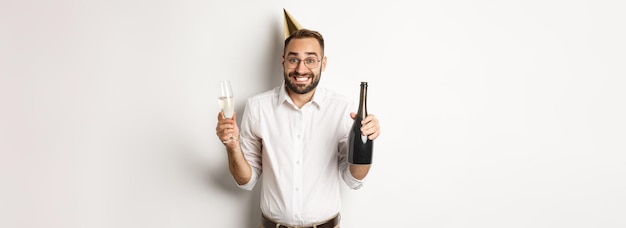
(305, 33)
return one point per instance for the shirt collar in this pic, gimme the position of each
(318, 97)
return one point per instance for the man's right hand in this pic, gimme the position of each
(227, 130)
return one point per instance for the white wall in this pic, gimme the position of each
(494, 113)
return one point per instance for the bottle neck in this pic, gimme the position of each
(362, 111)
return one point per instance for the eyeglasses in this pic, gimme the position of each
(308, 62)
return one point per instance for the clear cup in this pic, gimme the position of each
(227, 99)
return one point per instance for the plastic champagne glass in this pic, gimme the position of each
(226, 99)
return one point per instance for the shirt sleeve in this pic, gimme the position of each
(250, 144)
(344, 166)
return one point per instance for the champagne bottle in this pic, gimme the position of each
(359, 146)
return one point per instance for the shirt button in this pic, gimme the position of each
(297, 189)
(297, 162)
(298, 136)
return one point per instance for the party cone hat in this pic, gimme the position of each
(291, 25)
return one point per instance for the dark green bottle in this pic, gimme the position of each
(360, 148)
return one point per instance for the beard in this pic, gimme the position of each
(302, 89)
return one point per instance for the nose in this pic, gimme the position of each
(300, 67)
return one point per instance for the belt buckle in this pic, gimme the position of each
(278, 225)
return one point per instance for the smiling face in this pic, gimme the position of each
(299, 78)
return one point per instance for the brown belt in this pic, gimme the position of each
(268, 223)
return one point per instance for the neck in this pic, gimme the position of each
(300, 99)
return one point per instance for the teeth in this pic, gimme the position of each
(301, 79)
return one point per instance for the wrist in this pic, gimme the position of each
(230, 140)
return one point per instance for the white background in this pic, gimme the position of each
(493, 113)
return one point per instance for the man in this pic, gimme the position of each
(296, 136)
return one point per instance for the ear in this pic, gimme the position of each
(282, 63)
(324, 63)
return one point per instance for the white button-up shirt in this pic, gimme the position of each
(301, 153)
